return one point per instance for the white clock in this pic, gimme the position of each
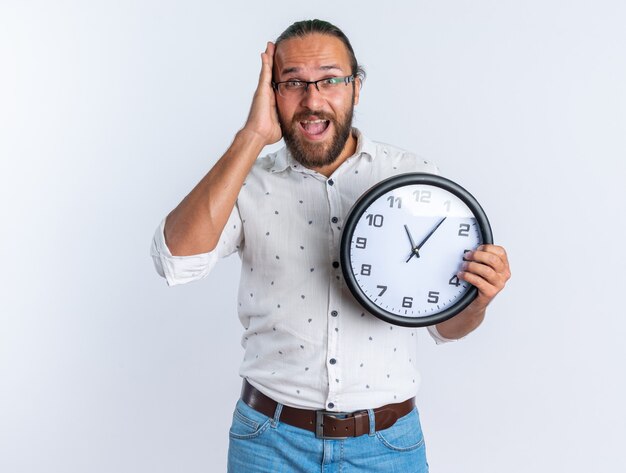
(403, 245)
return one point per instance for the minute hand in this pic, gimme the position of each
(419, 247)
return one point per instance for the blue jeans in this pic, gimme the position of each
(263, 444)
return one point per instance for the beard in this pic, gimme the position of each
(314, 154)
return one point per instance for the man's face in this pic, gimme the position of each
(315, 125)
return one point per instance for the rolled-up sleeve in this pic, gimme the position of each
(184, 269)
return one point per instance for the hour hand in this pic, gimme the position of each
(414, 249)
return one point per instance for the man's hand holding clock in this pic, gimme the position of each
(487, 269)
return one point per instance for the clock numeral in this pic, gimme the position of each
(433, 297)
(454, 281)
(383, 289)
(464, 252)
(375, 220)
(361, 243)
(447, 204)
(397, 201)
(464, 229)
(407, 302)
(422, 196)
(366, 269)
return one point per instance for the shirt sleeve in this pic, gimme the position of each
(439, 339)
(184, 269)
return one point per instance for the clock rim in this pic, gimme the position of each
(357, 211)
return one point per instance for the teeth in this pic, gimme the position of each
(314, 121)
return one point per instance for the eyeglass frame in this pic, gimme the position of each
(346, 80)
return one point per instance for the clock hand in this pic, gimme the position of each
(410, 237)
(419, 247)
(414, 251)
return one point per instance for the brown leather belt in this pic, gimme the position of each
(326, 424)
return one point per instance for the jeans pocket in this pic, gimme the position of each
(247, 423)
(406, 434)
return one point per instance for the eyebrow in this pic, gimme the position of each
(329, 67)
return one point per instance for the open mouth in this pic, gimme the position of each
(314, 129)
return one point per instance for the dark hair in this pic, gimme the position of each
(306, 27)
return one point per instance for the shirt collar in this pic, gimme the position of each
(283, 158)
(364, 145)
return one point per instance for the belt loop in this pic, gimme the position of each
(372, 417)
(277, 412)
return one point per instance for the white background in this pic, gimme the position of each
(110, 112)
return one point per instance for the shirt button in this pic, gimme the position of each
(333, 361)
(330, 182)
(331, 405)
(335, 264)
(334, 313)
(334, 219)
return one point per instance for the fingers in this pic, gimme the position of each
(263, 116)
(492, 256)
(486, 268)
(267, 63)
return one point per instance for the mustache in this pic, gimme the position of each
(302, 116)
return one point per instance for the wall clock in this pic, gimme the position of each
(403, 244)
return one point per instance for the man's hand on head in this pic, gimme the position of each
(263, 116)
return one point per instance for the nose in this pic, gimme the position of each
(312, 97)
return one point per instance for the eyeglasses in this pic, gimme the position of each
(296, 88)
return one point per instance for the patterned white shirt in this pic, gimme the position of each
(307, 342)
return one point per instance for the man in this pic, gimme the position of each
(309, 348)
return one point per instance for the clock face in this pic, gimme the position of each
(403, 245)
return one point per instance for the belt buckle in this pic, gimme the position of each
(319, 423)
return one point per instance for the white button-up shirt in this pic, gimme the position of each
(307, 342)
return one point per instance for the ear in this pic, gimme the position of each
(357, 89)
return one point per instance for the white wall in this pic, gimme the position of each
(110, 112)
